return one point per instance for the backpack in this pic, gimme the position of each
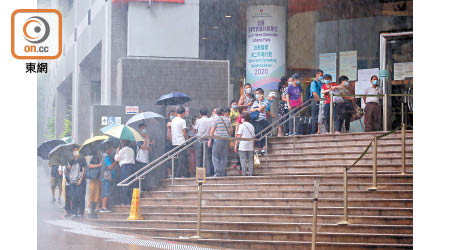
(75, 173)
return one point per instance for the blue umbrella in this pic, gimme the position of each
(174, 98)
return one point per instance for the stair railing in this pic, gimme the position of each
(374, 143)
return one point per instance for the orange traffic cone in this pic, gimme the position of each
(135, 213)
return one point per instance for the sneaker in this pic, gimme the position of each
(286, 134)
(105, 210)
(256, 152)
(263, 151)
(74, 216)
(53, 201)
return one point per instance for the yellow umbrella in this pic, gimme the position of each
(89, 146)
(122, 132)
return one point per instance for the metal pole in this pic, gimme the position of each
(314, 225)
(266, 152)
(173, 175)
(199, 210)
(403, 148)
(293, 133)
(345, 221)
(385, 112)
(331, 114)
(374, 168)
(139, 207)
(403, 114)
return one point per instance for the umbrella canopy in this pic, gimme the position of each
(122, 132)
(62, 154)
(111, 141)
(174, 98)
(67, 139)
(143, 116)
(90, 145)
(47, 146)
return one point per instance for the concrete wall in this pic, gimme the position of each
(143, 80)
(164, 29)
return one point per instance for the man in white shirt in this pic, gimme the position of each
(372, 116)
(125, 157)
(179, 137)
(245, 130)
(203, 127)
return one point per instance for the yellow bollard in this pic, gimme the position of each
(135, 213)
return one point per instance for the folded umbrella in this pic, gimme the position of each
(174, 98)
(62, 154)
(47, 146)
(122, 132)
(142, 116)
(92, 144)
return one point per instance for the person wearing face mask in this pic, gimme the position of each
(260, 106)
(372, 111)
(76, 168)
(283, 106)
(144, 148)
(234, 113)
(294, 100)
(316, 87)
(125, 156)
(326, 90)
(247, 98)
(343, 105)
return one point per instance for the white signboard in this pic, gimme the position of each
(348, 64)
(131, 110)
(108, 120)
(266, 46)
(403, 70)
(327, 63)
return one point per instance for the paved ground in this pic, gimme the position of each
(55, 232)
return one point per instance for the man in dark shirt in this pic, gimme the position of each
(77, 167)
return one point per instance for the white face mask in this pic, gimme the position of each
(248, 90)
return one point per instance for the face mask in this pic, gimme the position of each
(76, 153)
(327, 81)
(298, 82)
(289, 83)
(375, 82)
(144, 131)
(320, 78)
(346, 84)
(234, 106)
(257, 96)
(248, 90)
(171, 117)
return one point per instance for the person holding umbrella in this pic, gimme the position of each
(77, 186)
(94, 184)
(55, 181)
(125, 156)
(106, 174)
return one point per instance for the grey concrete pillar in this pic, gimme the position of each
(80, 106)
(60, 110)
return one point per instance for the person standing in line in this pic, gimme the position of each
(326, 89)
(125, 157)
(259, 121)
(234, 113)
(343, 105)
(247, 98)
(143, 151)
(283, 106)
(221, 127)
(94, 184)
(106, 176)
(179, 137)
(316, 87)
(76, 169)
(247, 131)
(294, 99)
(55, 181)
(66, 190)
(203, 127)
(372, 116)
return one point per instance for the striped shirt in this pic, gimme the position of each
(221, 129)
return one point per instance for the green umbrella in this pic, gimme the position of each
(62, 154)
(122, 132)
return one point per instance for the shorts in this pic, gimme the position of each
(106, 185)
(94, 190)
(55, 181)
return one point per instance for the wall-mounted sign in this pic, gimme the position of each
(131, 110)
(108, 120)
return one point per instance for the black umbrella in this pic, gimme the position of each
(48, 146)
(174, 98)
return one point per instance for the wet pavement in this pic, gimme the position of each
(56, 232)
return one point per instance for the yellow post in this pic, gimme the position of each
(374, 168)
(200, 177)
(135, 213)
(345, 221)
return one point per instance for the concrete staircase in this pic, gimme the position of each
(273, 209)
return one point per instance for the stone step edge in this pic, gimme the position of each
(278, 190)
